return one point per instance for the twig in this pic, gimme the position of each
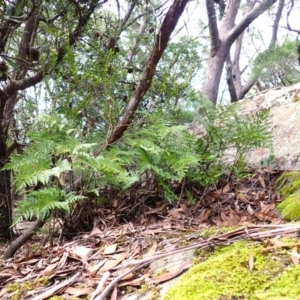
(57, 287)
(100, 286)
(117, 279)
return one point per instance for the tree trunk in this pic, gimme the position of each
(5, 195)
(213, 74)
(222, 39)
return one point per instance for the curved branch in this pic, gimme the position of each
(248, 19)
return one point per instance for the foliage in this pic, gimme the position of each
(226, 130)
(289, 184)
(277, 66)
(158, 144)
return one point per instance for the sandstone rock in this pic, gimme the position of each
(284, 107)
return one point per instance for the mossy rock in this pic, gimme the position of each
(289, 184)
(227, 275)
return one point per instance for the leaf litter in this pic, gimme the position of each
(116, 255)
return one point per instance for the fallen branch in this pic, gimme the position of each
(249, 232)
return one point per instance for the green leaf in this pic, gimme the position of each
(12, 63)
(19, 8)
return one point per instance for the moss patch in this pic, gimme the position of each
(289, 184)
(285, 286)
(227, 275)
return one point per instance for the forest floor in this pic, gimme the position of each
(116, 259)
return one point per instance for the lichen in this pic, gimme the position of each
(227, 274)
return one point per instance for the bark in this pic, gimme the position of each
(276, 22)
(230, 80)
(228, 33)
(22, 239)
(242, 90)
(144, 84)
(213, 27)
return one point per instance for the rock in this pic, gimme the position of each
(284, 107)
(283, 104)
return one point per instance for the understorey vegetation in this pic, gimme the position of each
(101, 104)
(159, 154)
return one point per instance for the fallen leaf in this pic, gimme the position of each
(226, 188)
(110, 249)
(114, 261)
(76, 292)
(114, 294)
(262, 182)
(151, 251)
(94, 268)
(49, 269)
(295, 259)
(251, 261)
(169, 275)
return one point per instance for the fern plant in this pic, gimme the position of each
(155, 144)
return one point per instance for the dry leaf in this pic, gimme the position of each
(94, 268)
(262, 182)
(114, 294)
(110, 249)
(151, 251)
(83, 252)
(226, 188)
(295, 256)
(170, 275)
(251, 261)
(115, 260)
(76, 292)
(49, 269)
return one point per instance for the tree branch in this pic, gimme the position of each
(276, 22)
(213, 27)
(248, 19)
(161, 42)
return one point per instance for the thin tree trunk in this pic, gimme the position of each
(161, 42)
(228, 34)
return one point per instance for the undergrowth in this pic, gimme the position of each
(159, 144)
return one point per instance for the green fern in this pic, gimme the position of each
(42, 203)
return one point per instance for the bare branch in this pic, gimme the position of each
(276, 22)
(288, 16)
(248, 19)
(213, 27)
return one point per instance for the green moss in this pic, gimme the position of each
(285, 287)
(227, 273)
(19, 289)
(289, 184)
(290, 207)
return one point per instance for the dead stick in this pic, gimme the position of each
(117, 279)
(100, 286)
(51, 291)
